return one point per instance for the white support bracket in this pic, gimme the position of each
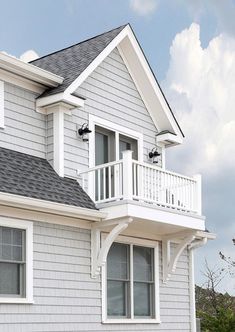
(99, 251)
(170, 260)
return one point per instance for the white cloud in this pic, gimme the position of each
(143, 7)
(200, 85)
(29, 55)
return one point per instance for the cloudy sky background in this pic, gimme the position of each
(191, 48)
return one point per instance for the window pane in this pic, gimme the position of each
(9, 278)
(142, 299)
(17, 237)
(6, 235)
(117, 298)
(6, 251)
(11, 244)
(17, 253)
(143, 263)
(117, 263)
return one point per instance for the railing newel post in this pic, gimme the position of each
(127, 175)
(198, 193)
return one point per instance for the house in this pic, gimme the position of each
(95, 233)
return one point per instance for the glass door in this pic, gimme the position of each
(104, 153)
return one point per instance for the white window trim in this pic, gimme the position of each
(144, 243)
(2, 105)
(117, 129)
(28, 227)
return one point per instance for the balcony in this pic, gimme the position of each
(143, 183)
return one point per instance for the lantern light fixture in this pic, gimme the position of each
(154, 154)
(84, 132)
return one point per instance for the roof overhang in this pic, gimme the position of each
(34, 204)
(144, 79)
(28, 71)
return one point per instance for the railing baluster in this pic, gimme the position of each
(104, 182)
(109, 182)
(99, 185)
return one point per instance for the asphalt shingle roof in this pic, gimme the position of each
(72, 61)
(26, 175)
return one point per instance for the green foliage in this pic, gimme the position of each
(216, 310)
(223, 321)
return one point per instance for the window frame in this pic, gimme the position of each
(156, 302)
(28, 227)
(118, 130)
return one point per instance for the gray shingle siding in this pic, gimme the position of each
(66, 298)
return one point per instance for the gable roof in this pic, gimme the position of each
(29, 176)
(77, 62)
(70, 62)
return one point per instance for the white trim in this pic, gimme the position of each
(58, 141)
(142, 75)
(169, 139)
(140, 242)
(192, 291)
(157, 214)
(29, 71)
(44, 104)
(2, 111)
(21, 82)
(51, 207)
(94, 120)
(28, 227)
(95, 63)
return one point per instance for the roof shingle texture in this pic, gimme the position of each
(72, 61)
(26, 175)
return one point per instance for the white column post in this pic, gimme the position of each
(58, 140)
(198, 193)
(127, 175)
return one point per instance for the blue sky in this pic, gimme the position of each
(191, 48)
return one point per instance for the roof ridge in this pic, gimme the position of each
(83, 41)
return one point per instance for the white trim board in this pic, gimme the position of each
(2, 111)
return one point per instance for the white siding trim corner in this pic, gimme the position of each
(1, 104)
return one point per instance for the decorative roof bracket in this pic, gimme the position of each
(99, 251)
(170, 260)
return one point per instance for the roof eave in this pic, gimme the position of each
(34, 204)
(29, 71)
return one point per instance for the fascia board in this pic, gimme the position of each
(172, 139)
(147, 84)
(29, 71)
(29, 203)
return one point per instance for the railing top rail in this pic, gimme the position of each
(92, 169)
(163, 170)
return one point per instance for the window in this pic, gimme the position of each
(1, 104)
(15, 261)
(108, 139)
(131, 284)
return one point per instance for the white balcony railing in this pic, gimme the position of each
(133, 180)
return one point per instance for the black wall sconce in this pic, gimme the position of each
(84, 131)
(154, 154)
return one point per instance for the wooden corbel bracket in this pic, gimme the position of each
(99, 251)
(170, 260)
